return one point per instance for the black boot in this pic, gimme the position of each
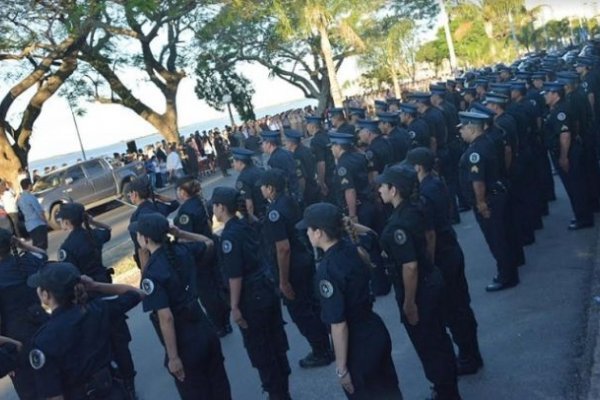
(445, 392)
(316, 359)
(129, 386)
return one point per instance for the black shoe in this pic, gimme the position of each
(222, 332)
(449, 392)
(574, 226)
(313, 360)
(129, 386)
(464, 208)
(468, 366)
(497, 286)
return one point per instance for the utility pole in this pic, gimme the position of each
(446, 22)
(77, 130)
(227, 100)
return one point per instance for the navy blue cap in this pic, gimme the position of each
(481, 82)
(408, 108)
(584, 62)
(472, 118)
(240, 153)
(500, 88)
(320, 215)
(358, 111)
(460, 80)
(402, 178)
(341, 138)
(225, 195)
(469, 90)
(539, 75)
(58, 278)
(272, 177)
(452, 82)
(381, 104)
(480, 108)
(518, 85)
(389, 117)
(553, 86)
(371, 125)
(496, 98)
(337, 111)
(523, 75)
(313, 119)
(72, 212)
(421, 97)
(152, 225)
(567, 77)
(293, 135)
(421, 156)
(437, 89)
(392, 101)
(271, 136)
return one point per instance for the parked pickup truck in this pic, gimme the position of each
(90, 183)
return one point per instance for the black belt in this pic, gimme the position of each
(97, 387)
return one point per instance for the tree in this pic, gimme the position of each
(39, 45)
(433, 52)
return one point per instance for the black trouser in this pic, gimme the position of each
(370, 366)
(212, 295)
(522, 187)
(544, 172)
(39, 236)
(305, 308)
(495, 232)
(264, 338)
(120, 337)
(592, 168)
(456, 304)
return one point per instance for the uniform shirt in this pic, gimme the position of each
(351, 173)
(508, 125)
(437, 125)
(83, 249)
(246, 185)
(32, 210)
(284, 160)
(537, 101)
(239, 250)
(343, 282)
(169, 279)
(418, 131)
(435, 204)
(479, 163)
(346, 128)
(500, 140)
(591, 84)
(319, 145)
(147, 207)
(580, 111)
(451, 117)
(75, 344)
(528, 113)
(305, 163)
(192, 217)
(379, 154)
(399, 139)
(17, 299)
(556, 122)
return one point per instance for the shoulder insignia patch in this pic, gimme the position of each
(239, 185)
(533, 102)
(369, 154)
(474, 169)
(184, 219)
(37, 359)
(325, 288)
(412, 134)
(62, 255)
(147, 286)
(342, 171)
(474, 158)
(274, 216)
(564, 128)
(561, 116)
(226, 246)
(400, 236)
(345, 181)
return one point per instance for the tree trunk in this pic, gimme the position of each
(324, 97)
(395, 82)
(488, 26)
(336, 91)
(10, 162)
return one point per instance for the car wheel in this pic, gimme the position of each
(52, 221)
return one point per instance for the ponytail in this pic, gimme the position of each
(80, 295)
(350, 229)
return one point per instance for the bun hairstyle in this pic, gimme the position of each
(350, 229)
(78, 295)
(191, 186)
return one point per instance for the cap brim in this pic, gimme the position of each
(35, 280)
(302, 225)
(133, 227)
(381, 179)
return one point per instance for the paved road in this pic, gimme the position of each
(529, 335)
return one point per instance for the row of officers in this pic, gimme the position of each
(368, 207)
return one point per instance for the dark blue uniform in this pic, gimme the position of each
(284, 160)
(72, 352)
(264, 339)
(479, 163)
(346, 128)
(193, 217)
(437, 126)
(21, 314)
(282, 215)
(352, 173)
(343, 283)
(246, 185)
(418, 130)
(319, 145)
(83, 248)
(403, 240)
(168, 282)
(399, 140)
(379, 154)
(306, 169)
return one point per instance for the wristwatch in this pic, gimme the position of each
(340, 374)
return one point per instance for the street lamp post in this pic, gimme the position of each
(77, 130)
(227, 100)
(446, 22)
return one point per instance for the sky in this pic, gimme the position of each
(54, 131)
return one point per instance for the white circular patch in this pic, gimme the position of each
(274, 216)
(62, 255)
(239, 185)
(184, 219)
(369, 155)
(412, 134)
(561, 116)
(226, 246)
(533, 102)
(342, 171)
(474, 158)
(325, 288)
(400, 236)
(147, 286)
(37, 359)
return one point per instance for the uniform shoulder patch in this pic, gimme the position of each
(564, 128)
(474, 158)
(325, 288)
(369, 154)
(62, 255)
(239, 185)
(345, 181)
(184, 219)
(342, 171)
(37, 359)
(533, 102)
(561, 116)
(400, 236)
(226, 246)
(147, 286)
(474, 169)
(274, 216)
(412, 134)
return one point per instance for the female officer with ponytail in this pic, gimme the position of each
(193, 351)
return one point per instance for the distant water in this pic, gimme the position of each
(121, 147)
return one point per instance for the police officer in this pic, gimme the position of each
(417, 283)
(20, 312)
(393, 104)
(356, 113)
(590, 84)
(435, 119)
(362, 343)
(192, 349)
(141, 195)
(481, 86)
(9, 353)
(398, 137)
(339, 122)
(71, 353)
(254, 304)
(283, 160)
(483, 186)
(319, 145)
(418, 130)
(445, 252)
(567, 154)
(193, 217)
(380, 106)
(351, 181)
(378, 150)
(305, 165)
(246, 181)
(294, 267)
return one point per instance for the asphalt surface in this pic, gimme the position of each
(530, 336)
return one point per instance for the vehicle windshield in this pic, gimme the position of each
(47, 182)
